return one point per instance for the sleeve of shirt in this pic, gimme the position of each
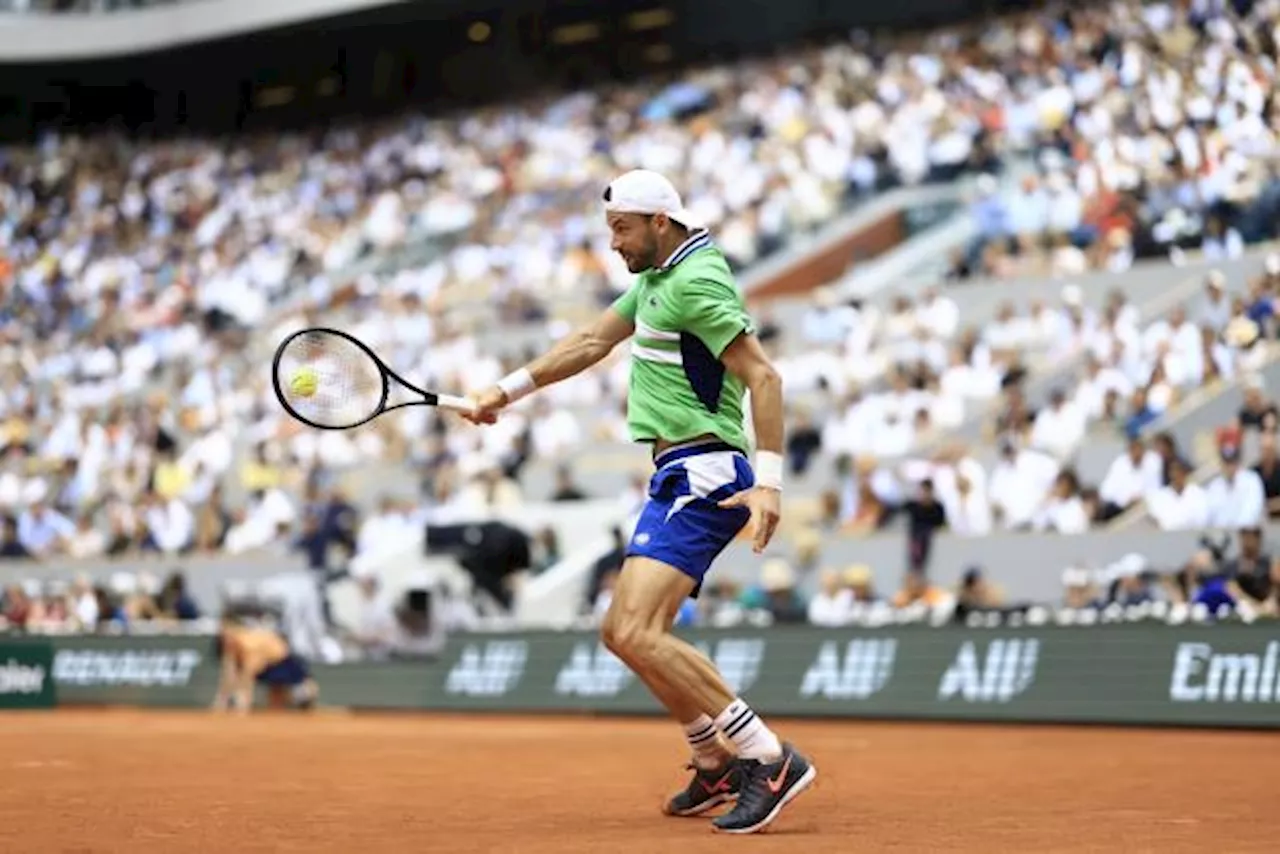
(625, 305)
(713, 311)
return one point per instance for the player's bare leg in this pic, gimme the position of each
(637, 630)
(633, 630)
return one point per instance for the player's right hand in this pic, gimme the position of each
(488, 404)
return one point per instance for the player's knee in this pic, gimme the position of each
(629, 639)
(615, 633)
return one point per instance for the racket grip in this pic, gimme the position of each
(454, 403)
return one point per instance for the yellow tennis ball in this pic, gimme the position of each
(303, 382)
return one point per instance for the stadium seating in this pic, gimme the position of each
(147, 282)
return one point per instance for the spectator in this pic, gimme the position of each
(1064, 512)
(86, 603)
(611, 561)
(212, 521)
(174, 602)
(1202, 568)
(17, 606)
(1142, 413)
(420, 631)
(777, 593)
(832, 605)
(976, 594)
(925, 515)
(1131, 584)
(312, 543)
(1079, 590)
(1166, 447)
(490, 489)
(1236, 497)
(916, 590)
(1180, 506)
(169, 525)
(861, 582)
(938, 315)
(1131, 476)
(1019, 483)
(566, 489)
(88, 540)
(339, 522)
(1250, 578)
(376, 630)
(968, 511)
(546, 550)
(1215, 310)
(11, 546)
(1268, 469)
(803, 442)
(806, 552)
(869, 512)
(1059, 428)
(42, 531)
(1257, 412)
(386, 531)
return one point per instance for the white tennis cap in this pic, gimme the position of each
(643, 191)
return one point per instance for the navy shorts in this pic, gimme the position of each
(681, 523)
(285, 673)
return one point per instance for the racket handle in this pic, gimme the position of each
(454, 403)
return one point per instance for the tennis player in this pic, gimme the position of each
(252, 654)
(693, 357)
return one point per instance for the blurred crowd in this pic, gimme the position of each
(893, 445)
(119, 603)
(1232, 577)
(1236, 577)
(1162, 123)
(143, 283)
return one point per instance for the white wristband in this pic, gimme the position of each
(517, 384)
(769, 469)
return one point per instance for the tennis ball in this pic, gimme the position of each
(303, 382)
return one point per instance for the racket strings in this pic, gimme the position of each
(348, 383)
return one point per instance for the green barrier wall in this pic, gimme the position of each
(25, 678)
(1220, 676)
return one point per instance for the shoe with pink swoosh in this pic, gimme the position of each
(767, 787)
(708, 789)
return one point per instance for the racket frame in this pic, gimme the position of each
(429, 398)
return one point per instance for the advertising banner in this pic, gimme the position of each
(1122, 674)
(171, 670)
(25, 679)
(1142, 674)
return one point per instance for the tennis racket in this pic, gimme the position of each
(330, 380)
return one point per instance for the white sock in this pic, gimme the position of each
(703, 738)
(748, 732)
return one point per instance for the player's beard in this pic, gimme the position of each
(647, 259)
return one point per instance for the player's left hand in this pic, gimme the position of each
(765, 505)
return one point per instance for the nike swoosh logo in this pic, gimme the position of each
(721, 785)
(775, 785)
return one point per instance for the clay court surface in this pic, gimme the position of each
(192, 782)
